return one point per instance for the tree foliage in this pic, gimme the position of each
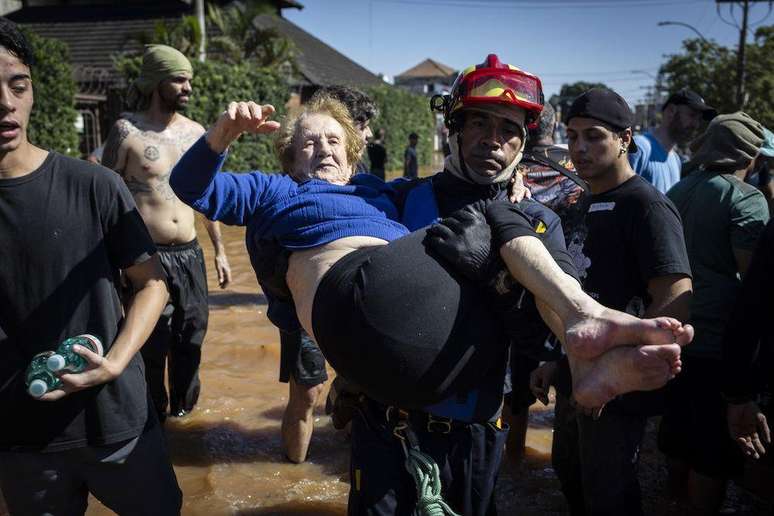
(233, 37)
(709, 69)
(215, 84)
(403, 113)
(569, 92)
(52, 122)
(183, 34)
(238, 39)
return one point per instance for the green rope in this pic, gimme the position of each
(426, 475)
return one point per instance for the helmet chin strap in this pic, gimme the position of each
(457, 167)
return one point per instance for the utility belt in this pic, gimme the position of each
(344, 400)
(418, 420)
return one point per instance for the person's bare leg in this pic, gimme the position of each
(298, 420)
(590, 329)
(517, 434)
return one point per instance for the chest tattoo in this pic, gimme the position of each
(151, 152)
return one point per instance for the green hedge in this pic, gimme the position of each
(216, 84)
(403, 113)
(52, 123)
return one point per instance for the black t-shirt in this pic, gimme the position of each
(65, 231)
(632, 234)
(377, 155)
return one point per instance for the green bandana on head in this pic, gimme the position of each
(159, 62)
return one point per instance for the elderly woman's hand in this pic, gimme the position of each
(238, 118)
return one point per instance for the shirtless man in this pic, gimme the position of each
(142, 147)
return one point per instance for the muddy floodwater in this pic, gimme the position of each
(227, 453)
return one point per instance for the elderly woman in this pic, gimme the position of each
(388, 315)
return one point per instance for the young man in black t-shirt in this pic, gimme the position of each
(635, 261)
(68, 227)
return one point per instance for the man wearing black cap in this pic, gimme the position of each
(656, 160)
(635, 261)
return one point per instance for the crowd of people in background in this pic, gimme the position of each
(660, 229)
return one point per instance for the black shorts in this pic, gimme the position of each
(403, 326)
(301, 359)
(694, 427)
(188, 297)
(129, 477)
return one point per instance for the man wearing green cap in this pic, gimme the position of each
(142, 147)
(723, 218)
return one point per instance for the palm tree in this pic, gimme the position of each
(184, 35)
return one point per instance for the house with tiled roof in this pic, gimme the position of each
(97, 30)
(427, 78)
(318, 63)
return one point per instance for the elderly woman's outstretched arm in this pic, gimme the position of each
(230, 198)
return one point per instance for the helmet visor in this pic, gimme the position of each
(513, 87)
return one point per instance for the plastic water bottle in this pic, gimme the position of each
(39, 379)
(64, 359)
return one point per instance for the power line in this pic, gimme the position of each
(556, 2)
(606, 80)
(608, 72)
(758, 22)
(731, 13)
(596, 4)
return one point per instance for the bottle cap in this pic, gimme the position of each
(56, 362)
(37, 388)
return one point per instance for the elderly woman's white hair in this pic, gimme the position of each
(284, 145)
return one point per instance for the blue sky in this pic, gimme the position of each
(559, 40)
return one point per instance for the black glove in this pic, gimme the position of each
(465, 241)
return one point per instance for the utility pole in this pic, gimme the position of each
(740, 54)
(740, 61)
(202, 30)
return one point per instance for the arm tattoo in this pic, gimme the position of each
(118, 134)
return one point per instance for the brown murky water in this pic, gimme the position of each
(227, 453)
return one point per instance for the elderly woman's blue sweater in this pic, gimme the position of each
(298, 215)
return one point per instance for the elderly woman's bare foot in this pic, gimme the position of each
(591, 336)
(624, 369)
